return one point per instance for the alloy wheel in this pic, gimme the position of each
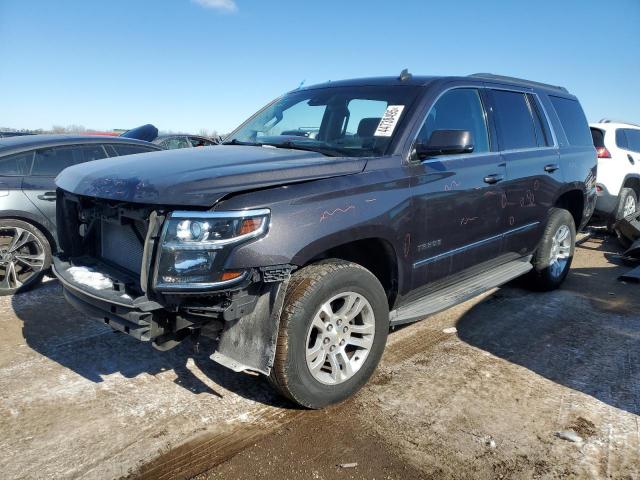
(629, 206)
(22, 257)
(340, 338)
(560, 251)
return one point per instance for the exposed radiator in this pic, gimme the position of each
(120, 245)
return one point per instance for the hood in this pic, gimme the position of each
(199, 176)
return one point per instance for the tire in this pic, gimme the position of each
(627, 196)
(309, 289)
(549, 269)
(33, 249)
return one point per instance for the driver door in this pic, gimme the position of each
(458, 198)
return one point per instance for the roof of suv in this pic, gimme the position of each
(423, 80)
(35, 141)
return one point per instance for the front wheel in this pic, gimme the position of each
(333, 330)
(554, 255)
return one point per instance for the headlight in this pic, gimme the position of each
(195, 245)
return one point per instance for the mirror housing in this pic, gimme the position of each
(446, 142)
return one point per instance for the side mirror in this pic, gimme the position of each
(446, 142)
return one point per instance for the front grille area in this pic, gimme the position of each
(123, 245)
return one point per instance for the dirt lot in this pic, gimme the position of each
(485, 401)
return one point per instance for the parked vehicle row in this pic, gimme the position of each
(334, 213)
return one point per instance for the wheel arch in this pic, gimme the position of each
(33, 220)
(632, 181)
(573, 200)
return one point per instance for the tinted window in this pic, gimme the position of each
(131, 149)
(459, 109)
(597, 136)
(633, 139)
(16, 165)
(50, 162)
(91, 152)
(514, 121)
(543, 132)
(573, 121)
(621, 139)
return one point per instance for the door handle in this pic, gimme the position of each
(551, 167)
(631, 160)
(48, 196)
(493, 178)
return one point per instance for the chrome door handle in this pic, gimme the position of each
(631, 160)
(551, 167)
(493, 178)
(48, 196)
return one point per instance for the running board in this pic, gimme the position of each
(460, 292)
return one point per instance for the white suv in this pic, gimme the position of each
(618, 183)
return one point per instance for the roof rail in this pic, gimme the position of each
(609, 120)
(503, 78)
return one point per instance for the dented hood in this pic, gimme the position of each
(199, 176)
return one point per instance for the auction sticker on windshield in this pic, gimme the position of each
(389, 121)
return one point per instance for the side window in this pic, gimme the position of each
(633, 139)
(597, 136)
(573, 121)
(131, 149)
(543, 131)
(621, 139)
(49, 162)
(515, 124)
(459, 109)
(199, 142)
(16, 165)
(92, 152)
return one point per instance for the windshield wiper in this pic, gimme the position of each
(235, 141)
(328, 151)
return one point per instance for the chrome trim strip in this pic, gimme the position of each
(426, 261)
(169, 287)
(220, 214)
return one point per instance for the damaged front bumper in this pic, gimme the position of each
(244, 319)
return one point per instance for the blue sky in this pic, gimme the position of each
(184, 65)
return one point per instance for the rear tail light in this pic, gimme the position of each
(603, 152)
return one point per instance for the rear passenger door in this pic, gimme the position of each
(533, 172)
(40, 186)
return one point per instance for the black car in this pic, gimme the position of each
(28, 167)
(172, 141)
(336, 212)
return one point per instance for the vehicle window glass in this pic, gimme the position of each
(621, 139)
(597, 136)
(49, 162)
(92, 152)
(543, 133)
(16, 165)
(362, 113)
(110, 150)
(132, 149)
(633, 139)
(175, 142)
(199, 142)
(459, 109)
(334, 121)
(514, 121)
(573, 121)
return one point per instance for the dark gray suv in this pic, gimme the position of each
(334, 213)
(28, 167)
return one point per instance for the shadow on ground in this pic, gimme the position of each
(84, 345)
(585, 336)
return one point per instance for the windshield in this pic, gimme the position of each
(335, 121)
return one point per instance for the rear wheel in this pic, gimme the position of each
(333, 330)
(25, 254)
(627, 205)
(552, 260)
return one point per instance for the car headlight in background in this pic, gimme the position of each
(195, 245)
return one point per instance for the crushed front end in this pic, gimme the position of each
(158, 274)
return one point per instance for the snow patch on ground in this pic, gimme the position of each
(90, 278)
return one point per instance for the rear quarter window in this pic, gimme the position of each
(573, 121)
(597, 136)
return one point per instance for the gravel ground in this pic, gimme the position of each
(514, 384)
